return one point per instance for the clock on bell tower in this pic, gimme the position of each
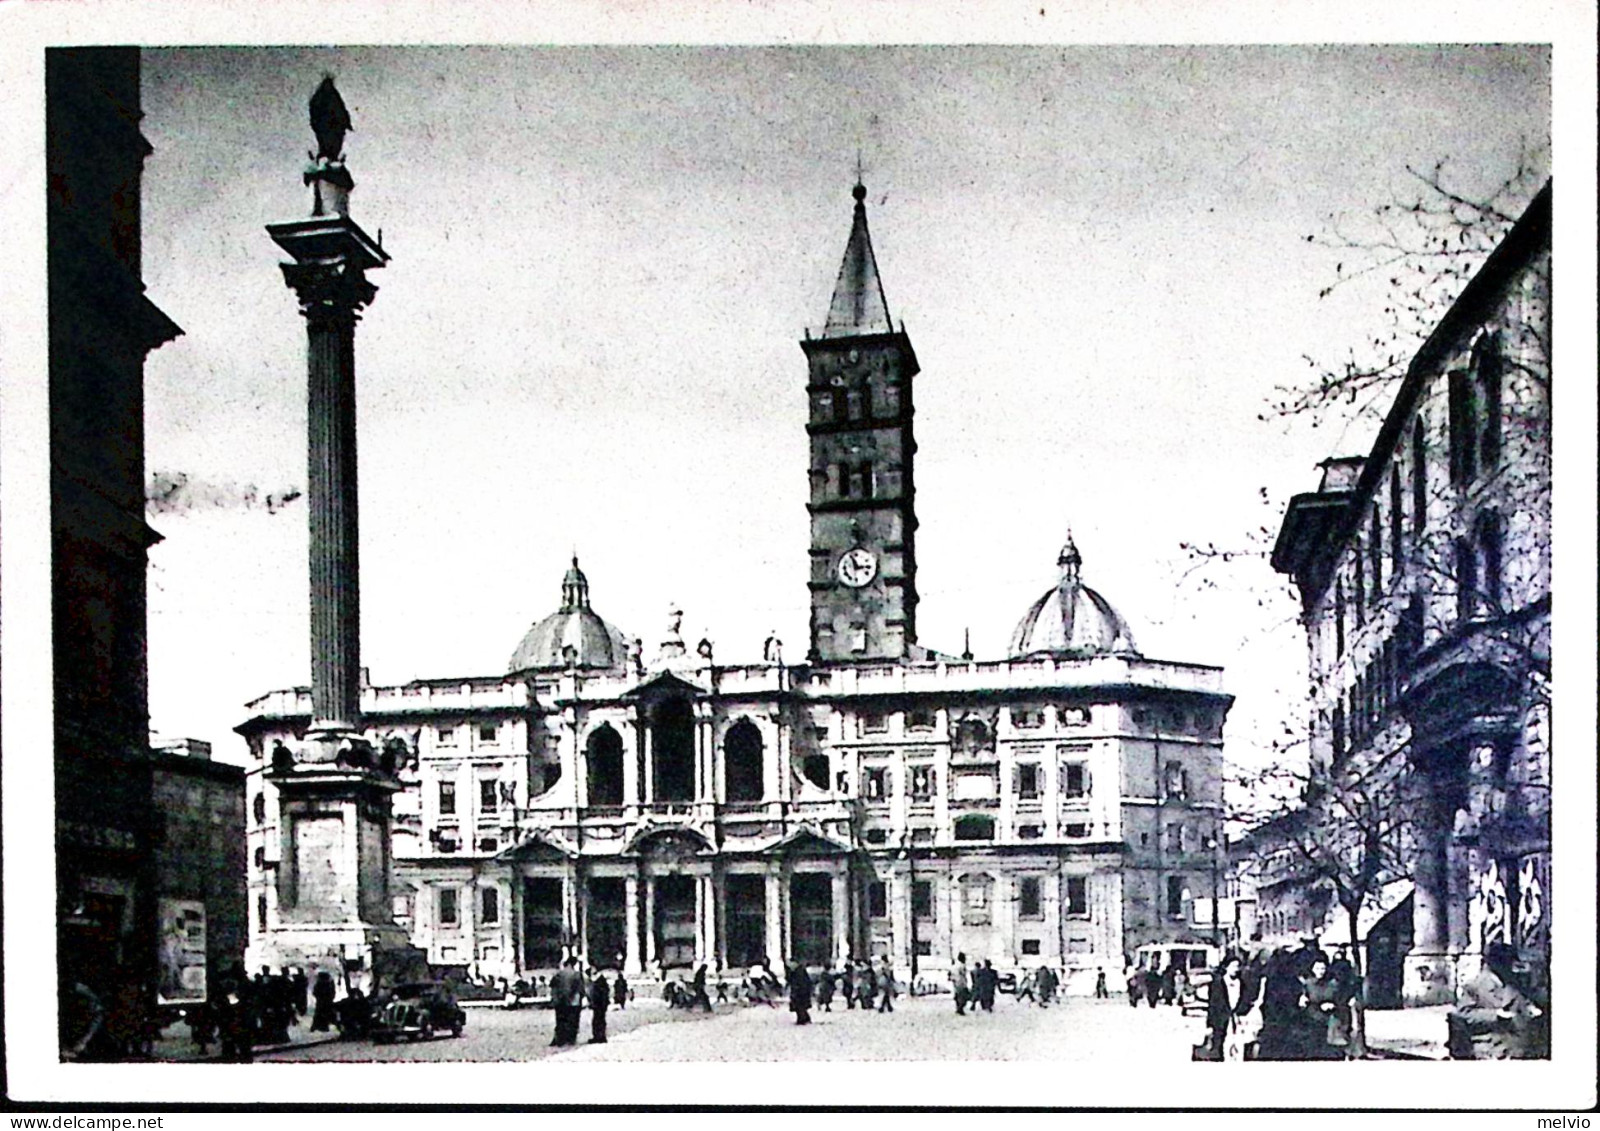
(862, 503)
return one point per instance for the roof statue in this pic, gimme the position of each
(330, 121)
(858, 306)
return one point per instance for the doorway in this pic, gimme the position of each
(674, 925)
(811, 918)
(543, 922)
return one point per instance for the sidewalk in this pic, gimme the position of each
(1419, 1033)
(175, 1045)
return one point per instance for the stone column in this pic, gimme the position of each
(631, 741)
(841, 915)
(631, 963)
(650, 956)
(1428, 975)
(777, 944)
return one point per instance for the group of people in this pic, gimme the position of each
(572, 989)
(976, 986)
(1166, 987)
(1289, 1004)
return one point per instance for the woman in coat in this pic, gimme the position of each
(800, 993)
(1231, 1013)
(1324, 1032)
(322, 991)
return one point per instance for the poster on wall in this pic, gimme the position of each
(182, 979)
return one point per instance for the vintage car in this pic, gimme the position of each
(1196, 960)
(417, 1010)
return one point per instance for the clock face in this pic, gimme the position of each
(857, 567)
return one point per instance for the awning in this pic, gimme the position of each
(1336, 926)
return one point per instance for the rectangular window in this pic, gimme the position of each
(447, 799)
(1463, 430)
(824, 408)
(1175, 896)
(920, 718)
(1027, 718)
(449, 909)
(1466, 578)
(1078, 896)
(853, 403)
(1375, 548)
(1488, 373)
(1360, 577)
(1075, 831)
(924, 948)
(1028, 781)
(922, 899)
(447, 736)
(1338, 618)
(875, 784)
(488, 794)
(1419, 477)
(922, 783)
(1074, 779)
(1489, 538)
(1028, 897)
(1396, 517)
(488, 732)
(874, 722)
(878, 899)
(1030, 946)
(491, 906)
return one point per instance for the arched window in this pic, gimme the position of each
(258, 808)
(974, 827)
(672, 746)
(603, 755)
(742, 762)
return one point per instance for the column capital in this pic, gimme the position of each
(331, 293)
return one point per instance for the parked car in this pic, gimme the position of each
(1196, 960)
(418, 1010)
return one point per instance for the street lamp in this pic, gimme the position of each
(911, 903)
(1212, 846)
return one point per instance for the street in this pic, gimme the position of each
(921, 1029)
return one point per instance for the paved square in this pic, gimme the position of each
(921, 1029)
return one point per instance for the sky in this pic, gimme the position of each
(604, 258)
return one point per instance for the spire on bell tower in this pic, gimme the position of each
(859, 305)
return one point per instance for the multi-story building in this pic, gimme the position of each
(102, 324)
(1424, 572)
(1060, 805)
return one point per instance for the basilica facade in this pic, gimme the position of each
(1060, 805)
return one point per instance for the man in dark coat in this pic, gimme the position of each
(987, 982)
(620, 994)
(566, 996)
(599, 1002)
(825, 990)
(701, 998)
(302, 986)
(886, 987)
(322, 997)
(800, 993)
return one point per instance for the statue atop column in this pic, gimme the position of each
(330, 181)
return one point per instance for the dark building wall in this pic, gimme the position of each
(200, 849)
(101, 326)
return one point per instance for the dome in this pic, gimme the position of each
(1071, 620)
(576, 627)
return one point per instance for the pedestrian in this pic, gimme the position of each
(825, 990)
(1231, 1017)
(1135, 983)
(202, 1021)
(847, 980)
(800, 993)
(1100, 990)
(1180, 985)
(322, 999)
(961, 983)
(866, 984)
(886, 987)
(234, 1027)
(302, 987)
(620, 993)
(1047, 986)
(700, 996)
(722, 987)
(1497, 1017)
(1169, 982)
(986, 988)
(1322, 1034)
(566, 996)
(1026, 986)
(599, 1002)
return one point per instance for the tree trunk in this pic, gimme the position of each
(1358, 1008)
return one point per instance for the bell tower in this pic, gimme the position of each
(863, 493)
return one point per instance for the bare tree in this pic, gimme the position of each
(1422, 249)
